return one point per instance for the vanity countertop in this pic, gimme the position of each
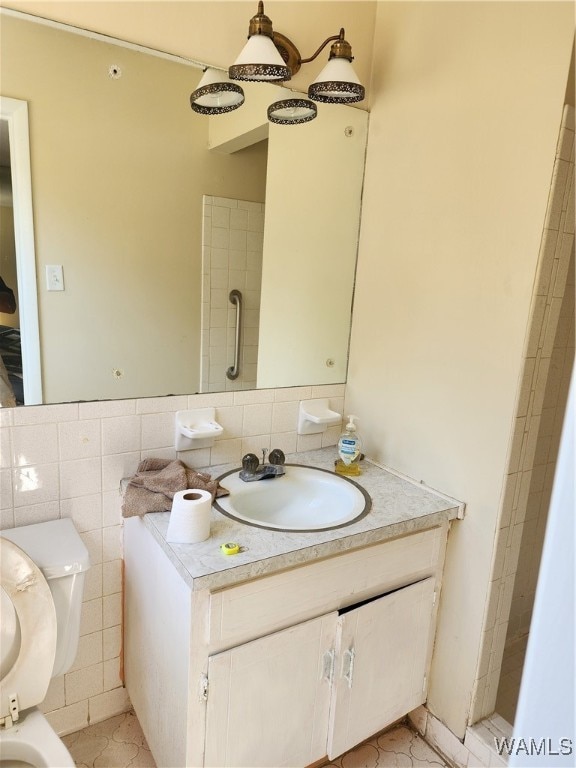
(399, 506)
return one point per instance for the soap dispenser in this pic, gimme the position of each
(349, 446)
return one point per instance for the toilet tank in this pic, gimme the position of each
(61, 555)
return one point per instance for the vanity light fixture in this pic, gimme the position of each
(291, 109)
(260, 59)
(269, 56)
(215, 94)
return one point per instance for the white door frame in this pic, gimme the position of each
(15, 112)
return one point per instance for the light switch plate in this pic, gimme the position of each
(54, 277)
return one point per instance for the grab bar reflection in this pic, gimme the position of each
(236, 298)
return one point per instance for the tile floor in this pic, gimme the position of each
(119, 743)
(114, 743)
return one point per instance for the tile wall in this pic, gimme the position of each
(232, 245)
(547, 446)
(529, 468)
(68, 460)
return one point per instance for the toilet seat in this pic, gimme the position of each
(26, 681)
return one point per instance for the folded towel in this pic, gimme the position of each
(156, 481)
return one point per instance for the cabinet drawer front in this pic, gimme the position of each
(274, 602)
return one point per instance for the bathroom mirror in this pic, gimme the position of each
(121, 170)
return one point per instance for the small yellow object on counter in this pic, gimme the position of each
(230, 549)
(350, 470)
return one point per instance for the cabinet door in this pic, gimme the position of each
(382, 652)
(269, 700)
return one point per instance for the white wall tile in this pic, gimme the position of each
(6, 417)
(5, 447)
(69, 719)
(35, 484)
(55, 697)
(116, 467)
(309, 442)
(158, 430)
(111, 642)
(292, 393)
(108, 704)
(89, 651)
(93, 543)
(84, 511)
(112, 677)
(226, 451)
(231, 419)
(285, 416)
(121, 435)
(34, 445)
(112, 507)
(84, 683)
(6, 518)
(111, 577)
(111, 610)
(93, 583)
(101, 409)
(80, 477)
(111, 543)
(256, 444)
(36, 513)
(79, 439)
(91, 618)
(257, 419)
(44, 414)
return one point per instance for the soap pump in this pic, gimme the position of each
(349, 446)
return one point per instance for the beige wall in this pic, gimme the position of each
(467, 106)
(119, 168)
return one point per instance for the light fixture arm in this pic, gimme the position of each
(341, 49)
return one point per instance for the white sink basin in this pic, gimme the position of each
(303, 499)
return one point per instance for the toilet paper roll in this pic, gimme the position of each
(190, 517)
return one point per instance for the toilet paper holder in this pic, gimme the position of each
(196, 428)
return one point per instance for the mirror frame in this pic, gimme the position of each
(15, 113)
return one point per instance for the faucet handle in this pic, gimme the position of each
(276, 456)
(250, 463)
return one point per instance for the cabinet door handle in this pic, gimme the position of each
(328, 666)
(348, 665)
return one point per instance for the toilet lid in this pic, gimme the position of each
(28, 631)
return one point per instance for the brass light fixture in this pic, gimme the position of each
(269, 56)
(260, 59)
(215, 94)
(292, 111)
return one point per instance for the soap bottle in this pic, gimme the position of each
(349, 446)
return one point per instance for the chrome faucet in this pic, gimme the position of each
(253, 470)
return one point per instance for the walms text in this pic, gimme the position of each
(533, 747)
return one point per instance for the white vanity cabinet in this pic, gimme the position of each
(321, 687)
(283, 669)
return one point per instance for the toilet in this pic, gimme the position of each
(42, 569)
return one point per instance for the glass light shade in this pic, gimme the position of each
(215, 94)
(337, 83)
(292, 111)
(259, 60)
